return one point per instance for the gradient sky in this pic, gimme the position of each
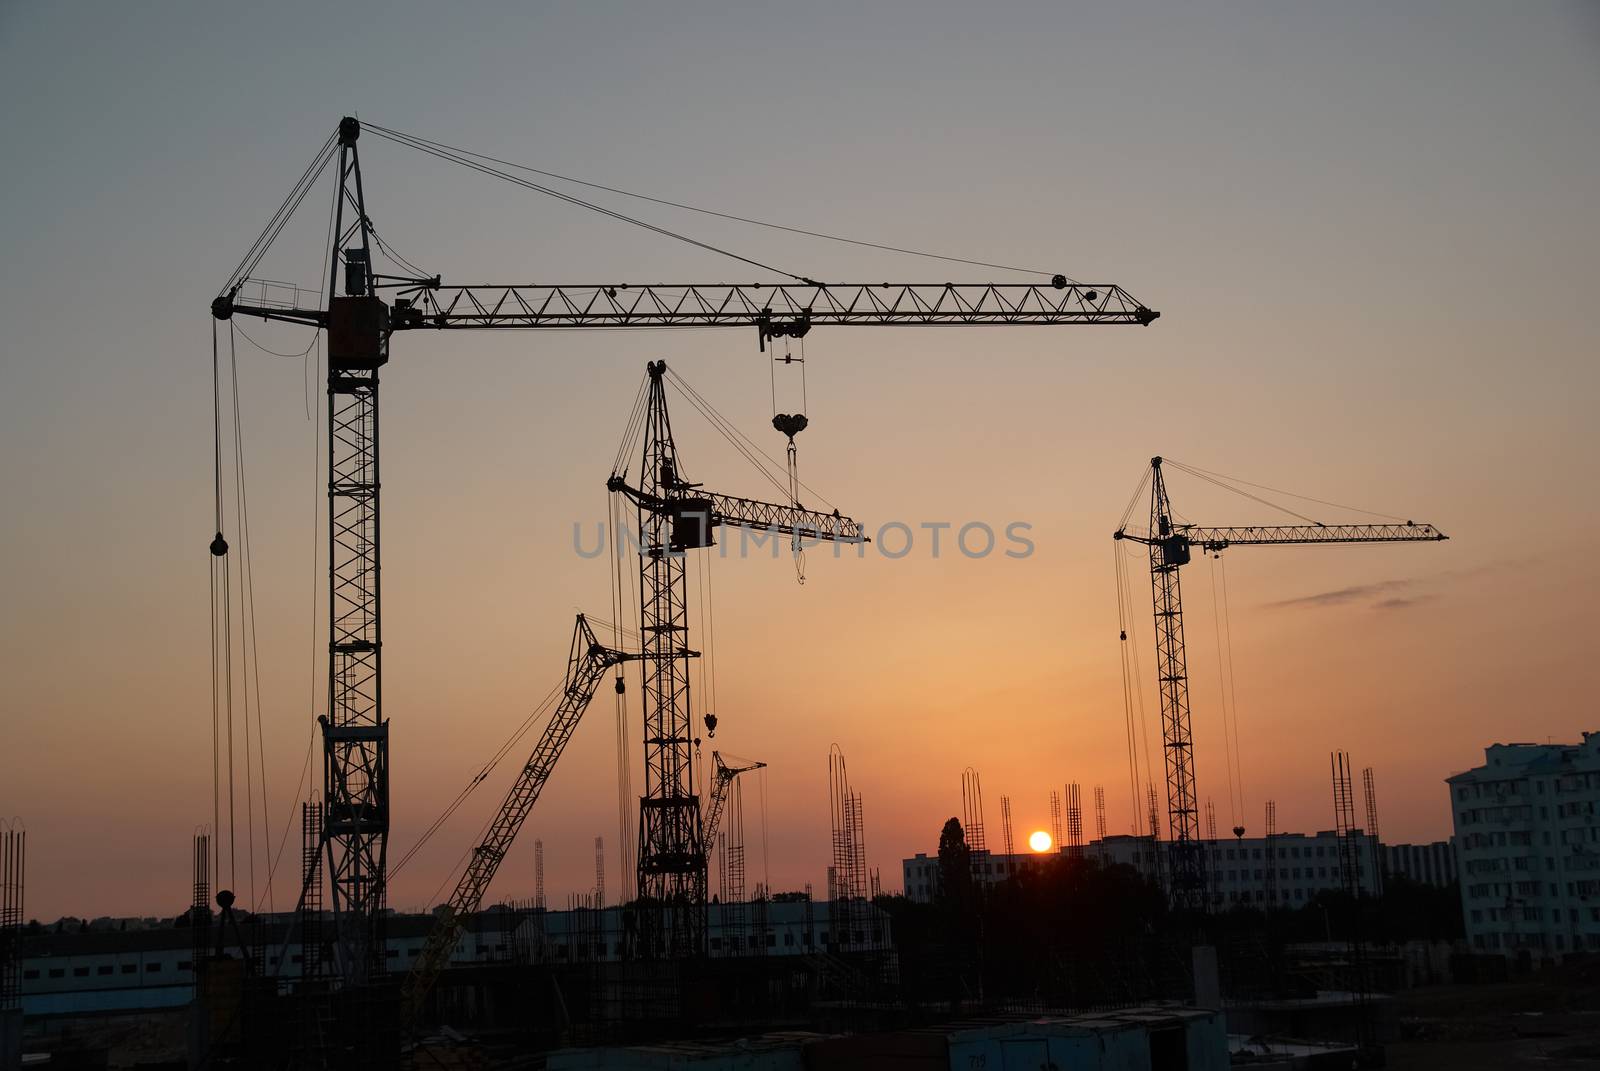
(1370, 229)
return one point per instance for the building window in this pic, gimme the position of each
(80, 972)
(104, 968)
(151, 968)
(57, 972)
(185, 965)
(29, 976)
(130, 968)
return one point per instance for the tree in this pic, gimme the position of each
(955, 862)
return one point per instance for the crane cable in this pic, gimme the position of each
(1218, 479)
(466, 160)
(789, 425)
(624, 757)
(301, 791)
(478, 778)
(1137, 675)
(1227, 624)
(1235, 804)
(418, 142)
(280, 218)
(1127, 688)
(249, 642)
(741, 442)
(218, 551)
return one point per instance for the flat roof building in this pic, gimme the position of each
(1306, 864)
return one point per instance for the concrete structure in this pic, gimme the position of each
(113, 971)
(1428, 864)
(1307, 865)
(1528, 837)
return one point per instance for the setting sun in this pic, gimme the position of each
(1039, 840)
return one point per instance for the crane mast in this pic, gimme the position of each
(1170, 545)
(675, 516)
(355, 735)
(359, 325)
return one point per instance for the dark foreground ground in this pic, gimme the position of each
(1550, 1022)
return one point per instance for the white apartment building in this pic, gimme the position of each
(100, 972)
(1528, 843)
(1237, 868)
(1428, 864)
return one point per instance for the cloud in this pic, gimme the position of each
(1401, 593)
(1400, 603)
(1354, 593)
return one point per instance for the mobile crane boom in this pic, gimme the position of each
(587, 662)
(719, 791)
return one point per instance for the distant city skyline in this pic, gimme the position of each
(1368, 231)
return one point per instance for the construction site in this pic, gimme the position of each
(687, 949)
(557, 819)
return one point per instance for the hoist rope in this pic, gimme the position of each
(1136, 675)
(212, 565)
(1234, 805)
(302, 790)
(739, 440)
(420, 141)
(249, 644)
(1127, 689)
(1227, 624)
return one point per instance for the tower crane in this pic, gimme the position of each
(719, 791)
(1170, 545)
(674, 517)
(587, 662)
(360, 325)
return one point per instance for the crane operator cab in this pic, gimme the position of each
(692, 522)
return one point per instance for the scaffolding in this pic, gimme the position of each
(13, 874)
(972, 811)
(1379, 867)
(1344, 814)
(847, 877)
(538, 874)
(1074, 821)
(1100, 818)
(1270, 885)
(200, 903)
(1156, 871)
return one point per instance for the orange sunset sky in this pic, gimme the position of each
(1370, 232)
